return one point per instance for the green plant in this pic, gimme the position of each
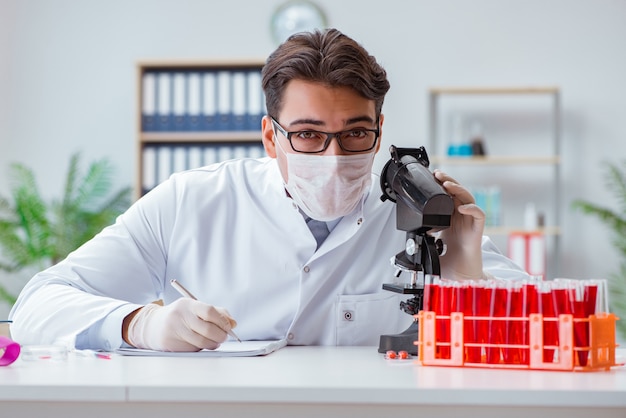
(616, 221)
(35, 233)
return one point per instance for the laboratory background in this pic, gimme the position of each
(69, 83)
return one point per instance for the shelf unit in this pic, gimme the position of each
(507, 159)
(192, 113)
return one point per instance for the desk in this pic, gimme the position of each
(300, 382)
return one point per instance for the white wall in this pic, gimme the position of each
(67, 79)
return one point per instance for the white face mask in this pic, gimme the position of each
(327, 187)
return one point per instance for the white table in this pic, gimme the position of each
(300, 382)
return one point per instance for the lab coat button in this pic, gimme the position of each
(306, 269)
(348, 315)
(290, 336)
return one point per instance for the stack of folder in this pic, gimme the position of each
(202, 100)
(177, 101)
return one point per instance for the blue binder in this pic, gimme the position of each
(148, 102)
(209, 101)
(255, 102)
(164, 101)
(194, 102)
(224, 100)
(195, 156)
(149, 169)
(179, 102)
(239, 104)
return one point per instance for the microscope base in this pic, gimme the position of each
(405, 341)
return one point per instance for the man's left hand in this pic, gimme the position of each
(463, 256)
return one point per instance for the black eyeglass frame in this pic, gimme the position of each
(329, 137)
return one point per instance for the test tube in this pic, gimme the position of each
(429, 287)
(513, 325)
(480, 305)
(581, 323)
(497, 311)
(530, 305)
(596, 297)
(442, 309)
(467, 290)
(550, 326)
(561, 293)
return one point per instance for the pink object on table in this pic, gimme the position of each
(9, 351)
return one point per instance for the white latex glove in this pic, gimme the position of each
(184, 325)
(463, 258)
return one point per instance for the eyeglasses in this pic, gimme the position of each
(311, 142)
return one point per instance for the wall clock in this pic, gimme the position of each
(296, 16)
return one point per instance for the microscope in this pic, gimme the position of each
(423, 207)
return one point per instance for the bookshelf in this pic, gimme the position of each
(192, 113)
(524, 166)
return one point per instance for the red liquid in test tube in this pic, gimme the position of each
(497, 309)
(584, 305)
(550, 326)
(442, 308)
(428, 290)
(481, 304)
(581, 338)
(513, 326)
(591, 297)
(472, 354)
(530, 305)
(560, 299)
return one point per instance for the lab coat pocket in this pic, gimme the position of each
(361, 319)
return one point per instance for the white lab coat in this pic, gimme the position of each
(230, 234)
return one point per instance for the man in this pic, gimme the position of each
(236, 234)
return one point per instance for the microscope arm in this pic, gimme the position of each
(422, 206)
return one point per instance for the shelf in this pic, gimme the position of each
(192, 113)
(446, 101)
(507, 230)
(497, 160)
(202, 64)
(214, 136)
(493, 90)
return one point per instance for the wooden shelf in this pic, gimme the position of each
(507, 230)
(160, 151)
(213, 136)
(452, 99)
(201, 64)
(497, 160)
(493, 90)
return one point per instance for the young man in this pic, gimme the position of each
(236, 234)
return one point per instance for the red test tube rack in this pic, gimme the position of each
(557, 325)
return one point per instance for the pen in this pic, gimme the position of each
(186, 293)
(92, 353)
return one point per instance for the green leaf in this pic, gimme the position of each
(36, 233)
(615, 220)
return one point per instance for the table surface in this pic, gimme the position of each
(304, 375)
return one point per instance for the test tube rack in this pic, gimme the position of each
(566, 355)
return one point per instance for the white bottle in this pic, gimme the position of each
(456, 137)
(530, 217)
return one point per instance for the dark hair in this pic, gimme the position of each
(328, 57)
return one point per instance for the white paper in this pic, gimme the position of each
(227, 349)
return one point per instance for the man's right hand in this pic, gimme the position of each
(184, 325)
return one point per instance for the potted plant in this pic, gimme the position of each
(34, 233)
(616, 221)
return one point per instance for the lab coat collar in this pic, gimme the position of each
(344, 229)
